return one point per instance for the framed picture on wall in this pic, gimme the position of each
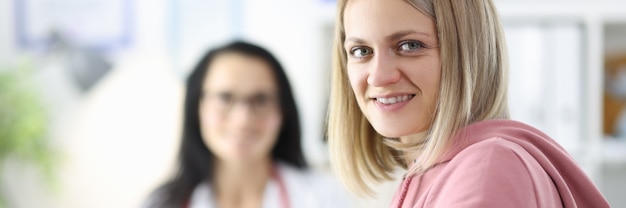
(96, 24)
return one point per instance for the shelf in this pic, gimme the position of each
(614, 151)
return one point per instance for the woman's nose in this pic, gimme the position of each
(383, 70)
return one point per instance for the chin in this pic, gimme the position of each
(390, 131)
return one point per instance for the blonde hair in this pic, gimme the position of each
(473, 88)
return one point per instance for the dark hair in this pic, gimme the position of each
(196, 161)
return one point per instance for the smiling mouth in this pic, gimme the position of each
(394, 100)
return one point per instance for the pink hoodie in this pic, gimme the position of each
(503, 164)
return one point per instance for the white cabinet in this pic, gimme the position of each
(545, 77)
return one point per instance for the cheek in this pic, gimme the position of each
(273, 125)
(209, 126)
(426, 76)
(269, 134)
(429, 79)
(206, 120)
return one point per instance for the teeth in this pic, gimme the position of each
(393, 100)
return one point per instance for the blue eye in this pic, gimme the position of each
(360, 52)
(411, 46)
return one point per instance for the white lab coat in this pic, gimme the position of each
(306, 189)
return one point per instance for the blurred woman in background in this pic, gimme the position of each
(241, 142)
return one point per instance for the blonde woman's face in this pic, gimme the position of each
(240, 117)
(393, 64)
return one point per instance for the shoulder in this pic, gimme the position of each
(156, 198)
(505, 144)
(493, 172)
(493, 150)
(152, 200)
(504, 147)
(498, 160)
(503, 137)
(493, 157)
(504, 163)
(201, 196)
(314, 180)
(510, 130)
(314, 187)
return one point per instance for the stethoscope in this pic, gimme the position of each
(282, 187)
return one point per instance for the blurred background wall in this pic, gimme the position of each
(110, 75)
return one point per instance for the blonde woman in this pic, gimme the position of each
(422, 84)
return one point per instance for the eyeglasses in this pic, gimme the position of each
(259, 104)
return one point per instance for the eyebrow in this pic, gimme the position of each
(392, 37)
